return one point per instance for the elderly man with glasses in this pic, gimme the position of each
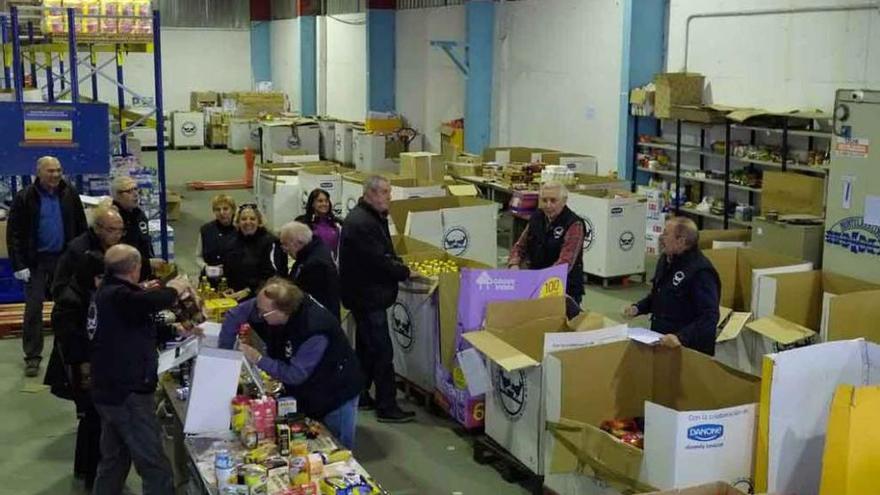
(137, 228)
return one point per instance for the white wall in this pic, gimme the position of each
(285, 62)
(345, 86)
(781, 61)
(557, 76)
(192, 60)
(430, 89)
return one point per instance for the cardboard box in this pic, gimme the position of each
(463, 190)
(742, 346)
(614, 240)
(409, 188)
(295, 156)
(384, 126)
(201, 99)
(676, 88)
(696, 113)
(516, 337)
(463, 227)
(798, 241)
(791, 193)
(699, 415)
(457, 169)
(173, 201)
(709, 236)
(796, 397)
(322, 175)
(717, 488)
(251, 105)
(279, 197)
(451, 141)
(423, 166)
(851, 460)
(512, 154)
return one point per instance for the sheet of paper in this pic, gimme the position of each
(561, 341)
(211, 328)
(176, 356)
(872, 210)
(644, 335)
(475, 372)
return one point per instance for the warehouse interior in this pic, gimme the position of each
(740, 130)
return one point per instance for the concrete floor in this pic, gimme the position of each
(429, 456)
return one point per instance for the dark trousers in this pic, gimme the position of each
(130, 433)
(376, 354)
(35, 293)
(88, 445)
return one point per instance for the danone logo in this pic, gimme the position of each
(486, 282)
(510, 389)
(705, 433)
(853, 234)
(589, 235)
(401, 325)
(188, 129)
(455, 242)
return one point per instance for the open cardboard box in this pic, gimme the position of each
(717, 488)
(797, 388)
(708, 237)
(461, 226)
(834, 306)
(700, 415)
(516, 337)
(740, 271)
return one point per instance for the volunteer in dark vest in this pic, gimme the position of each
(215, 237)
(306, 351)
(553, 236)
(124, 365)
(314, 270)
(253, 255)
(137, 228)
(683, 302)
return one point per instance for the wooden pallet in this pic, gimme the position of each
(488, 452)
(12, 316)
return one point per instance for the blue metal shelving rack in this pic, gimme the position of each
(19, 43)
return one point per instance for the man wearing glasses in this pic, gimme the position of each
(137, 229)
(44, 217)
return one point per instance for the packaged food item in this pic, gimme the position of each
(627, 430)
(311, 488)
(126, 8)
(286, 406)
(298, 470)
(89, 9)
(54, 18)
(143, 9)
(433, 268)
(277, 474)
(240, 412)
(316, 466)
(282, 438)
(109, 8)
(254, 475)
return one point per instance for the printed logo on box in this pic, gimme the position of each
(626, 241)
(188, 129)
(350, 204)
(589, 234)
(401, 325)
(705, 433)
(854, 234)
(455, 241)
(486, 282)
(617, 211)
(326, 185)
(510, 389)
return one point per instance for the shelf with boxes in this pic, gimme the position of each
(754, 142)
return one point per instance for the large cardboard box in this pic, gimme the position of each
(279, 198)
(741, 270)
(461, 226)
(834, 306)
(676, 88)
(851, 460)
(796, 395)
(322, 175)
(414, 319)
(516, 337)
(327, 139)
(409, 188)
(344, 143)
(423, 166)
(457, 169)
(513, 154)
(614, 240)
(789, 193)
(717, 488)
(451, 141)
(798, 241)
(699, 415)
(710, 236)
(201, 99)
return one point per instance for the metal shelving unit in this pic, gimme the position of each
(681, 174)
(23, 45)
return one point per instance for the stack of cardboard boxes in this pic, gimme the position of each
(217, 132)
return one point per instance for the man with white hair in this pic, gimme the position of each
(553, 236)
(44, 217)
(314, 271)
(137, 229)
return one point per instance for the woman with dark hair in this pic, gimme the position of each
(320, 218)
(254, 254)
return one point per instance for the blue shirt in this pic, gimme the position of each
(50, 231)
(294, 371)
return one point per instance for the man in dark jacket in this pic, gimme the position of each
(125, 373)
(137, 227)
(686, 291)
(44, 217)
(314, 270)
(69, 371)
(306, 351)
(553, 236)
(369, 272)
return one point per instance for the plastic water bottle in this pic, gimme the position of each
(224, 468)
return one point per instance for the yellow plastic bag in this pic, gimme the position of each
(852, 445)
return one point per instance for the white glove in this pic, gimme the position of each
(23, 275)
